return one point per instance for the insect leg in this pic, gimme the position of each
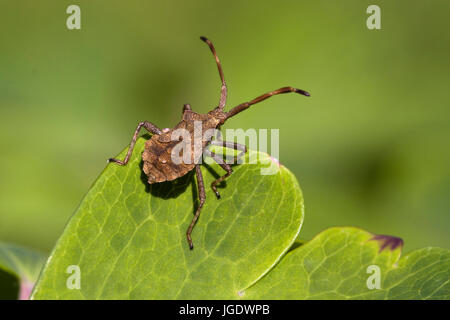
(223, 91)
(202, 198)
(224, 166)
(186, 106)
(263, 97)
(150, 128)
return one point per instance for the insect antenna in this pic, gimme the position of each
(223, 94)
(263, 97)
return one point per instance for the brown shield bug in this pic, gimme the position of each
(157, 156)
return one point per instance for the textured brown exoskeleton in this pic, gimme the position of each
(158, 164)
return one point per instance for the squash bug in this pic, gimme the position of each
(158, 165)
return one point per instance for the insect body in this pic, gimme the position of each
(158, 151)
(157, 156)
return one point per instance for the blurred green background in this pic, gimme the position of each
(370, 147)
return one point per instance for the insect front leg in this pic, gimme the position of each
(214, 184)
(224, 166)
(202, 198)
(187, 107)
(150, 128)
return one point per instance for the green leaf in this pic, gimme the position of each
(128, 238)
(334, 266)
(19, 270)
